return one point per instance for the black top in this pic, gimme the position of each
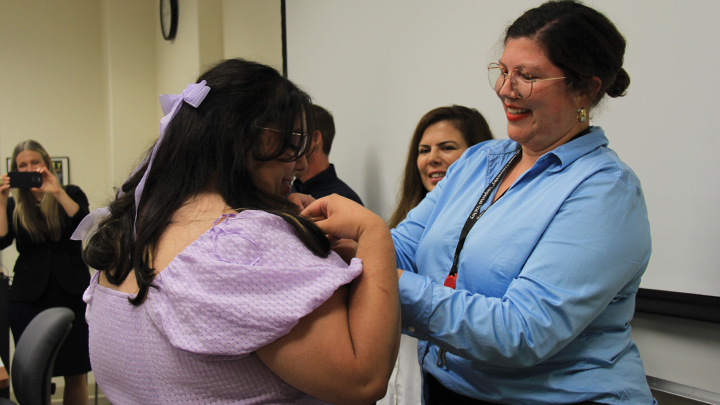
(38, 260)
(324, 184)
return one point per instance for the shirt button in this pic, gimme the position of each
(411, 328)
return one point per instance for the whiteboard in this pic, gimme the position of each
(380, 65)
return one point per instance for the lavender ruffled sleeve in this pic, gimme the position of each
(242, 285)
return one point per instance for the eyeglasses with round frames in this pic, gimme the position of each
(521, 82)
(298, 141)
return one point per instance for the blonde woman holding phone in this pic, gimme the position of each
(49, 271)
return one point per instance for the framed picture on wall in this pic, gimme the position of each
(62, 169)
(61, 165)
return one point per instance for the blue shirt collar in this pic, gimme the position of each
(564, 154)
(573, 150)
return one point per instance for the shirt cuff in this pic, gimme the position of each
(416, 293)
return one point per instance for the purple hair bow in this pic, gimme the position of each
(194, 94)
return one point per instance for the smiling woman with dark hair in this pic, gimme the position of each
(441, 136)
(521, 267)
(212, 288)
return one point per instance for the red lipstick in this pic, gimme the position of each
(515, 117)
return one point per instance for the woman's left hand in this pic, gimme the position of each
(50, 183)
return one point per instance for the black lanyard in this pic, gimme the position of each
(475, 214)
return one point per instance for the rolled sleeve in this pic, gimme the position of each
(416, 293)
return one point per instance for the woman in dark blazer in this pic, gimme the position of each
(50, 271)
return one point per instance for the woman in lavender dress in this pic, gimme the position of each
(212, 288)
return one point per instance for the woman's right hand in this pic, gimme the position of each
(342, 218)
(4, 190)
(4, 194)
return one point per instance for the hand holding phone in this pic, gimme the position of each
(25, 179)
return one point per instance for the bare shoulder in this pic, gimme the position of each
(129, 286)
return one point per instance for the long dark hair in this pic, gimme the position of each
(207, 148)
(472, 126)
(579, 40)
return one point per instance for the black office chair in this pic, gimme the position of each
(32, 365)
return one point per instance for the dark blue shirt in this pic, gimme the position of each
(324, 184)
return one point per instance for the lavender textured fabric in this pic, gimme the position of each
(241, 285)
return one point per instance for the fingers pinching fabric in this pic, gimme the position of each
(194, 94)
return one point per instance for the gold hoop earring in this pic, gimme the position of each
(581, 114)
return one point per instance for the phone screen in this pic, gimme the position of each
(25, 179)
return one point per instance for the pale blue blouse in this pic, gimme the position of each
(546, 282)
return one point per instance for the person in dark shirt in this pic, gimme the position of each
(319, 179)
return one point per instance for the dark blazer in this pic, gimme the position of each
(37, 260)
(324, 184)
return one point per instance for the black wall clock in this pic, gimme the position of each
(169, 18)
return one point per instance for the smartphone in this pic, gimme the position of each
(25, 179)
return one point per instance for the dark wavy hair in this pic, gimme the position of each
(208, 148)
(579, 40)
(472, 126)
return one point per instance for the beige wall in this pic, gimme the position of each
(82, 76)
(210, 32)
(252, 30)
(129, 30)
(178, 61)
(53, 85)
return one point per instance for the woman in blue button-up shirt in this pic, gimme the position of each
(546, 282)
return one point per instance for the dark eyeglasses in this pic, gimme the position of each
(298, 142)
(521, 82)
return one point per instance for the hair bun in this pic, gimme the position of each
(622, 82)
